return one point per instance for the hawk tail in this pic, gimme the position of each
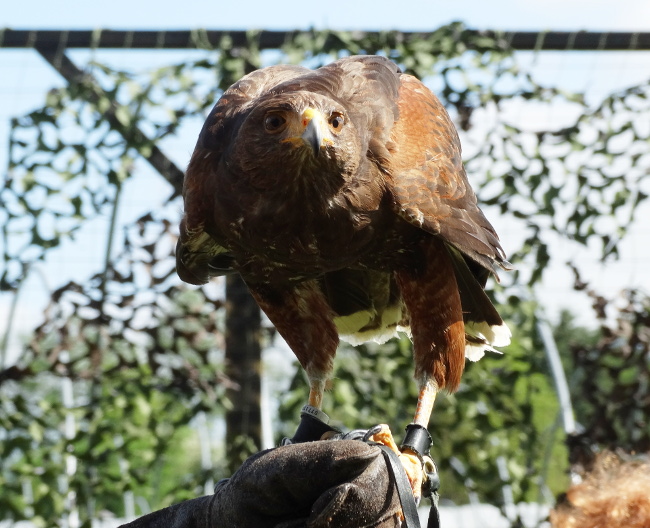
(484, 328)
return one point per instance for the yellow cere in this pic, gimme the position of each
(308, 115)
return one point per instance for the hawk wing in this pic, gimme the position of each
(429, 183)
(431, 191)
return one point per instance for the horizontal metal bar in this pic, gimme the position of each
(200, 39)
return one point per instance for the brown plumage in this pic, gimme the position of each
(340, 196)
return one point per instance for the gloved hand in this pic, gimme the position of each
(330, 483)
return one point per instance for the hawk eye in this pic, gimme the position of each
(336, 121)
(274, 122)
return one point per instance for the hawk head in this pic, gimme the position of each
(295, 139)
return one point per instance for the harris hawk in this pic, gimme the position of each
(340, 196)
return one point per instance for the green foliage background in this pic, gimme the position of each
(144, 353)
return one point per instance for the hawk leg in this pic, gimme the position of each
(316, 390)
(305, 320)
(432, 299)
(426, 398)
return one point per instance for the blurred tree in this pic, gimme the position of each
(243, 365)
(611, 376)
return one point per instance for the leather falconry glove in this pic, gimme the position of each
(335, 484)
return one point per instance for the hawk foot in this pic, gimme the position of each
(410, 460)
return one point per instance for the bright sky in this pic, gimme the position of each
(332, 14)
(24, 77)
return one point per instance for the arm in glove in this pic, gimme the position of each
(338, 484)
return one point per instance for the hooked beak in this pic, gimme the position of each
(314, 124)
